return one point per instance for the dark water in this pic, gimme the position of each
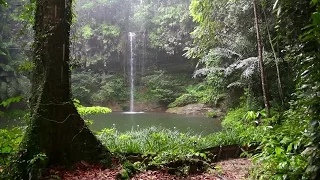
(126, 122)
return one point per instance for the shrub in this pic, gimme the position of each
(84, 84)
(94, 88)
(162, 87)
(112, 89)
(282, 155)
(183, 100)
(90, 110)
(9, 143)
(200, 93)
(212, 114)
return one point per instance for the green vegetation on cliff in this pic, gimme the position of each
(257, 60)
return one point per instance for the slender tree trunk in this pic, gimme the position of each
(56, 128)
(260, 57)
(276, 62)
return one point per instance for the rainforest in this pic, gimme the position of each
(160, 89)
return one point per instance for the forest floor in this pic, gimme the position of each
(234, 169)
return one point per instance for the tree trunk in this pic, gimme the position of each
(56, 129)
(276, 60)
(260, 57)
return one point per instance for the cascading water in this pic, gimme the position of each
(131, 36)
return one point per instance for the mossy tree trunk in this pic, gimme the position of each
(56, 129)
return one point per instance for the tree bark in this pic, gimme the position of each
(260, 57)
(56, 129)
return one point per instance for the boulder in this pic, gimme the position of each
(194, 109)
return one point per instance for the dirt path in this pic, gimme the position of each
(235, 169)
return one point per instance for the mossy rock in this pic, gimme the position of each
(212, 114)
(128, 171)
(122, 175)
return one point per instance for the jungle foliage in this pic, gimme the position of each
(219, 38)
(224, 44)
(100, 46)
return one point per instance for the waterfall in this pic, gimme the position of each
(131, 36)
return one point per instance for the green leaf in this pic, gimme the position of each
(6, 149)
(289, 147)
(7, 102)
(278, 150)
(2, 53)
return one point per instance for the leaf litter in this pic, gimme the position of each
(233, 169)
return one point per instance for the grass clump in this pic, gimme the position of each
(164, 145)
(150, 140)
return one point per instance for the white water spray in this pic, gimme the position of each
(131, 36)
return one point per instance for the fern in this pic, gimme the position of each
(7, 102)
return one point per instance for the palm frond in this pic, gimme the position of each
(206, 71)
(236, 84)
(248, 66)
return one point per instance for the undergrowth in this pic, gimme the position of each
(281, 154)
(282, 151)
(10, 138)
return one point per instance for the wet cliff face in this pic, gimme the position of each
(139, 106)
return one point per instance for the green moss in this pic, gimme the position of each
(212, 114)
(122, 175)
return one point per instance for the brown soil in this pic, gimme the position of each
(235, 169)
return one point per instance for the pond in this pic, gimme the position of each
(126, 122)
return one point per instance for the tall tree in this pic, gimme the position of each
(260, 57)
(56, 129)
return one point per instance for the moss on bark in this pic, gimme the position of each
(57, 133)
(61, 143)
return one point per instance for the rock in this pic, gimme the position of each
(122, 175)
(139, 106)
(194, 109)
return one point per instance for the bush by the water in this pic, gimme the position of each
(183, 100)
(212, 114)
(279, 143)
(199, 93)
(93, 88)
(163, 87)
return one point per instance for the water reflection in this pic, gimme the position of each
(128, 121)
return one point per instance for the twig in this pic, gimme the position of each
(59, 121)
(222, 178)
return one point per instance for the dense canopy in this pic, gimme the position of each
(252, 65)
